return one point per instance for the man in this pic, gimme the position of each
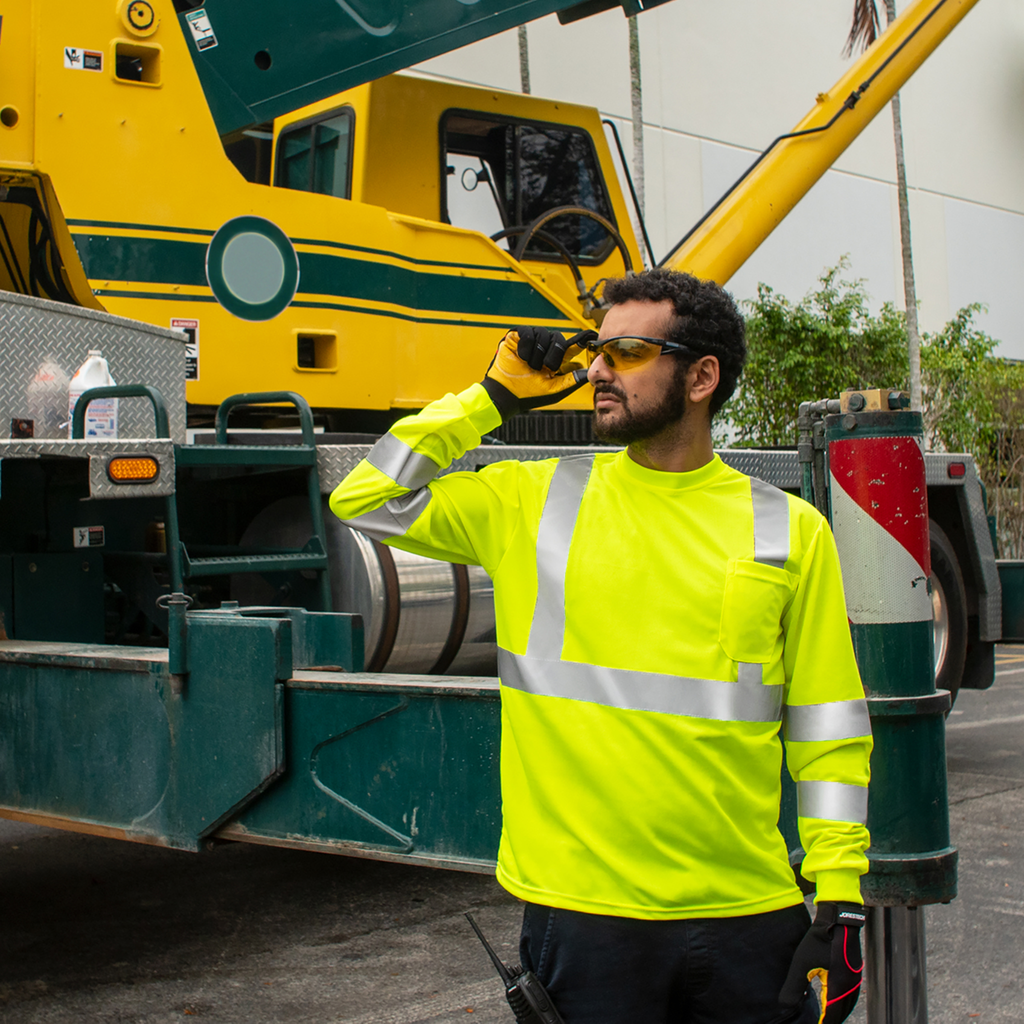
(659, 617)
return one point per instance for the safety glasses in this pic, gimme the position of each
(628, 352)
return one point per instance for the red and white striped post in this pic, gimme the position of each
(879, 508)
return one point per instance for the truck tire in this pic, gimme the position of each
(949, 602)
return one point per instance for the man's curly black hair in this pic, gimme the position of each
(707, 321)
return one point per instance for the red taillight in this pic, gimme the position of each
(957, 469)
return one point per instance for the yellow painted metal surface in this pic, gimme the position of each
(18, 84)
(725, 240)
(402, 307)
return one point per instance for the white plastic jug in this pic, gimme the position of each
(101, 416)
(46, 399)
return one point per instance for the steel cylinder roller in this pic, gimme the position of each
(419, 615)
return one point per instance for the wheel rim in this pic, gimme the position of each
(940, 625)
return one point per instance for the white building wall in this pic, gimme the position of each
(721, 80)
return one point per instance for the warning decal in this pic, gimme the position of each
(190, 328)
(83, 60)
(202, 30)
(88, 536)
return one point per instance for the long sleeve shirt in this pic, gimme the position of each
(661, 635)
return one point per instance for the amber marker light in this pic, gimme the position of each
(133, 469)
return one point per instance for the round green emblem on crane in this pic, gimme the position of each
(252, 268)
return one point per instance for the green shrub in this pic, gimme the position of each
(826, 343)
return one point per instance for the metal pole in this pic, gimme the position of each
(896, 983)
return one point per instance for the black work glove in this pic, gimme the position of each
(830, 951)
(531, 368)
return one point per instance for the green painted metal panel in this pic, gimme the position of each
(320, 640)
(258, 61)
(1011, 579)
(406, 771)
(327, 640)
(6, 593)
(99, 734)
(894, 657)
(904, 761)
(245, 455)
(788, 824)
(87, 739)
(228, 726)
(58, 596)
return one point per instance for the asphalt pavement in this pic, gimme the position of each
(96, 930)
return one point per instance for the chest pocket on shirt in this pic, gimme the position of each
(756, 598)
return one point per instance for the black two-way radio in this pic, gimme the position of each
(525, 994)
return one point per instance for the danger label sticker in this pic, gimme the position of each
(78, 59)
(190, 328)
(88, 536)
(202, 30)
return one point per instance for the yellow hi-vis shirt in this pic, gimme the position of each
(656, 631)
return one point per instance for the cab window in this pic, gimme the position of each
(504, 173)
(316, 156)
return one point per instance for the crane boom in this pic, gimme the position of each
(718, 245)
(257, 61)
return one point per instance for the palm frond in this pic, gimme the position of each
(865, 28)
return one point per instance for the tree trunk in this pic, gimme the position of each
(524, 60)
(909, 288)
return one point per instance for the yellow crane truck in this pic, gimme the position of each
(162, 169)
(253, 214)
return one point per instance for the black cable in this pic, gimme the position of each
(41, 239)
(14, 256)
(31, 252)
(57, 267)
(7, 262)
(848, 104)
(56, 260)
(632, 190)
(37, 256)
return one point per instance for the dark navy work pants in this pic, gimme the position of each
(618, 970)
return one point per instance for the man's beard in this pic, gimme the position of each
(630, 426)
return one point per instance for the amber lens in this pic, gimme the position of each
(622, 354)
(133, 469)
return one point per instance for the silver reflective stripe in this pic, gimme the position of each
(771, 523)
(394, 517)
(771, 537)
(642, 691)
(834, 801)
(394, 458)
(837, 720)
(554, 537)
(749, 672)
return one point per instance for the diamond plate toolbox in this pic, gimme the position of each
(36, 330)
